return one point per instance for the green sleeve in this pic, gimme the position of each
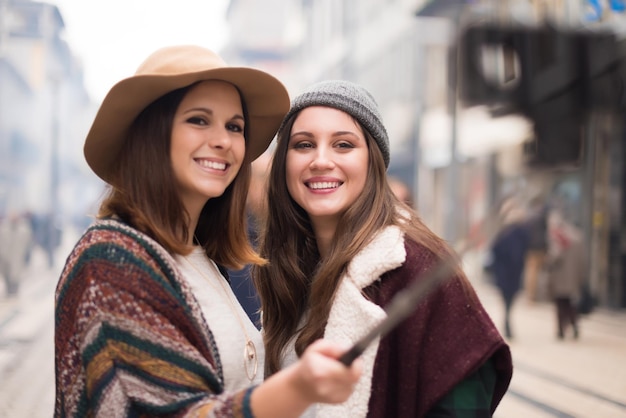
(470, 398)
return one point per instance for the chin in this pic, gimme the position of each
(326, 212)
(213, 193)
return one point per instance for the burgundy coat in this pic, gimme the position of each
(447, 338)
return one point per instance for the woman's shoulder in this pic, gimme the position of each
(115, 233)
(418, 258)
(109, 250)
(112, 230)
(422, 259)
(417, 252)
(113, 241)
(107, 239)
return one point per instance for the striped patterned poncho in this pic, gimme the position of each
(130, 339)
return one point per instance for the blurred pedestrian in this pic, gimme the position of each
(508, 254)
(341, 245)
(47, 235)
(537, 224)
(567, 271)
(15, 245)
(145, 322)
(28, 217)
(241, 280)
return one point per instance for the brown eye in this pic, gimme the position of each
(196, 120)
(234, 127)
(302, 145)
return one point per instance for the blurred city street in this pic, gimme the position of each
(568, 378)
(478, 113)
(584, 378)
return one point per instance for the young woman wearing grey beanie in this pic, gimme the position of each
(341, 246)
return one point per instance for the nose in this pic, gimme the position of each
(322, 159)
(219, 138)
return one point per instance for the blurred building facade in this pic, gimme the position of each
(44, 108)
(459, 161)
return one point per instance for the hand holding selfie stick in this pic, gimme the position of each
(406, 301)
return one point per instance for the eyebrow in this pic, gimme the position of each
(351, 133)
(301, 133)
(334, 134)
(210, 112)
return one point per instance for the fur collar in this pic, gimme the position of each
(352, 315)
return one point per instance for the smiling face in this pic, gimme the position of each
(208, 145)
(327, 163)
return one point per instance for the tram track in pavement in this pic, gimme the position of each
(568, 378)
(561, 397)
(527, 368)
(552, 378)
(566, 389)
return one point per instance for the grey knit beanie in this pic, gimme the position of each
(350, 98)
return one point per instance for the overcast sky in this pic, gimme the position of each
(113, 37)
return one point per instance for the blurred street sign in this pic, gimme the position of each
(596, 8)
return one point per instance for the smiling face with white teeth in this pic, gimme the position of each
(327, 163)
(208, 145)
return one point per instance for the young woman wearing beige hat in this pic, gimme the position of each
(342, 246)
(145, 322)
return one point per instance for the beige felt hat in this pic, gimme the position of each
(171, 68)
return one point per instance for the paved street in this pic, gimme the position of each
(582, 379)
(26, 346)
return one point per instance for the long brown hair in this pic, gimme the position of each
(297, 286)
(146, 195)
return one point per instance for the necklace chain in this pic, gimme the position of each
(250, 359)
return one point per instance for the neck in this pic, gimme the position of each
(194, 216)
(191, 231)
(324, 233)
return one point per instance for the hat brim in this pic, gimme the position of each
(266, 99)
